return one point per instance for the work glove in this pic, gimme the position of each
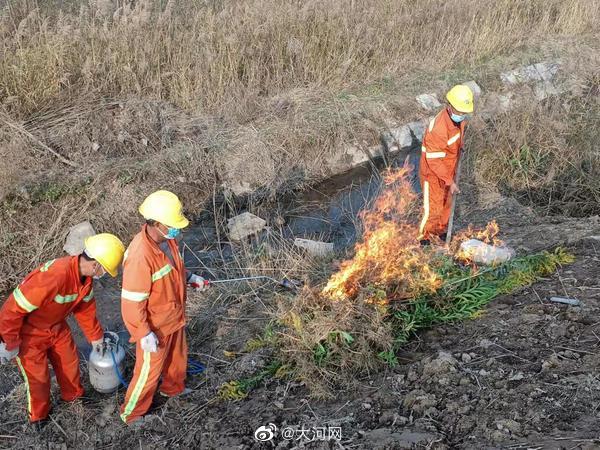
(198, 283)
(7, 355)
(149, 343)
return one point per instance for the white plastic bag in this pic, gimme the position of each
(483, 253)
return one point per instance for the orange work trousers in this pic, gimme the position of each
(37, 346)
(170, 361)
(437, 203)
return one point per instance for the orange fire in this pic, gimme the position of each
(389, 257)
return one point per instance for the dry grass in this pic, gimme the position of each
(188, 95)
(329, 342)
(545, 154)
(226, 55)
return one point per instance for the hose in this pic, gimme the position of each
(117, 371)
(193, 368)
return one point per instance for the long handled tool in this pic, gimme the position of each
(286, 283)
(453, 207)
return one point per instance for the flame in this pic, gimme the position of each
(389, 257)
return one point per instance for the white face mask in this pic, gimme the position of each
(172, 233)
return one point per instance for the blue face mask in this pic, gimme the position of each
(172, 233)
(458, 117)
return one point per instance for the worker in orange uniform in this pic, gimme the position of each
(33, 323)
(153, 304)
(442, 144)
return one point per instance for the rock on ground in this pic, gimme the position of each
(77, 235)
(244, 225)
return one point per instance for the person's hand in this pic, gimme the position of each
(149, 343)
(454, 189)
(7, 355)
(198, 283)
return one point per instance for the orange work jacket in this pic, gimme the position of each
(44, 299)
(442, 142)
(154, 289)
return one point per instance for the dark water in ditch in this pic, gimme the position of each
(329, 211)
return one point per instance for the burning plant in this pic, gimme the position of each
(389, 258)
(356, 322)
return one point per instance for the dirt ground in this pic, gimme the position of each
(522, 375)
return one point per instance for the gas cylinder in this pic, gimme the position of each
(102, 370)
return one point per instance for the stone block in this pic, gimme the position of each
(497, 103)
(388, 141)
(244, 225)
(521, 75)
(474, 87)
(547, 70)
(346, 158)
(418, 128)
(239, 187)
(402, 136)
(316, 248)
(376, 151)
(77, 235)
(429, 101)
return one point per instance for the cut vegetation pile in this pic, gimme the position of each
(390, 289)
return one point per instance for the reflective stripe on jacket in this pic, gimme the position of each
(45, 298)
(154, 293)
(442, 142)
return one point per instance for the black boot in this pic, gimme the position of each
(424, 242)
(39, 425)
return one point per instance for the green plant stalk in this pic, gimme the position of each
(464, 293)
(467, 292)
(239, 389)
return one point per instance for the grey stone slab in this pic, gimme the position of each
(316, 248)
(418, 128)
(244, 225)
(76, 237)
(402, 136)
(428, 101)
(521, 75)
(547, 70)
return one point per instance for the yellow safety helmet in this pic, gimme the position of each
(107, 249)
(164, 207)
(461, 98)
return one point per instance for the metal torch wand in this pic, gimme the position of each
(453, 207)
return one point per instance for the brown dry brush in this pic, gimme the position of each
(333, 343)
(545, 154)
(232, 53)
(312, 339)
(105, 87)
